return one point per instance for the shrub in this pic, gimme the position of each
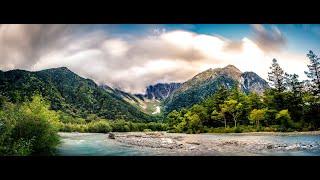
(147, 130)
(120, 126)
(238, 130)
(257, 115)
(44, 136)
(284, 118)
(101, 126)
(30, 128)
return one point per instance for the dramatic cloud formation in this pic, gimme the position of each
(133, 63)
(22, 45)
(271, 40)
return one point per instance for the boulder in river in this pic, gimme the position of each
(111, 136)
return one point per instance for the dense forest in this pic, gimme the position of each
(36, 106)
(289, 105)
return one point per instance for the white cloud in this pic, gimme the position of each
(166, 56)
(269, 40)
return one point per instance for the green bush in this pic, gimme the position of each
(238, 130)
(101, 126)
(147, 130)
(29, 128)
(120, 126)
(284, 118)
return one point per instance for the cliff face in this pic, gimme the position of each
(251, 82)
(161, 91)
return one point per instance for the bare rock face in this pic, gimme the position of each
(251, 82)
(161, 91)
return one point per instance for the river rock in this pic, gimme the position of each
(111, 136)
(270, 146)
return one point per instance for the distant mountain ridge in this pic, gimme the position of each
(161, 91)
(68, 92)
(207, 83)
(150, 101)
(78, 96)
(251, 82)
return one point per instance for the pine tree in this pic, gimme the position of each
(293, 98)
(293, 84)
(314, 72)
(276, 76)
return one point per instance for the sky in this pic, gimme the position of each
(133, 56)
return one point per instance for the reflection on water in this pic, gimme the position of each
(94, 144)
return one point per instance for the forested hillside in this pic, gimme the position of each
(69, 93)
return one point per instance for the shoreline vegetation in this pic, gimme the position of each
(31, 127)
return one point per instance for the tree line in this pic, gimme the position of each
(289, 105)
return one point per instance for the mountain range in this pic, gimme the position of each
(69, 93)
(207, 83)
(72, 94)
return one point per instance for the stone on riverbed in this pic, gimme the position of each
(195, 143)
(111, 136)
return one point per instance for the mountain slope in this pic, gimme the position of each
(161, 91)
(251, 82)
(148, 106)
(67, 92)
(150, 102)
(208, 82)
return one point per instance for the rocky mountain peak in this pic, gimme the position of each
(252, 82)
(161, 91)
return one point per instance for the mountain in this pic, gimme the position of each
(140, 101)
(161, 91)
(128, 97)
(150, 102)
(251, 82)
(208, 82)
(69, 93)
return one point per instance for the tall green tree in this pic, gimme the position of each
(293, 84)
(254, 101)
(232, 107)
(257, 115)
(217, 98)
(314, 72)
(277, 81)
(284, 119)
(276, 76)
(293, 100)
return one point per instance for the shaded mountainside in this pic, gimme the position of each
(150, 102)
(161, 91)
(251, 82)
(208, 82)
(68, 92)
(149, 106)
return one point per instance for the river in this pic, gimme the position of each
(167, 144)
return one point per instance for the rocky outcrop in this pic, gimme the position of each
(251, 82)
(161, 91)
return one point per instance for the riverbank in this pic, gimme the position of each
(256, 143)
(162, 143)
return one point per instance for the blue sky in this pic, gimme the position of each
(133, 56)
(300, 37)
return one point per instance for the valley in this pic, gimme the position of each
(159, 89)
(170, 118)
